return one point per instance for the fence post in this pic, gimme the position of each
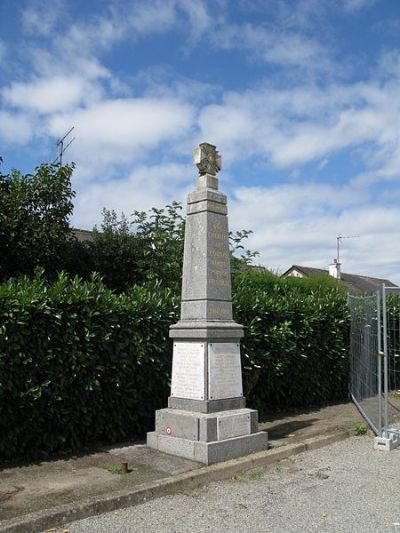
(385, 361)
(379, 342)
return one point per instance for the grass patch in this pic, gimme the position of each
(256, 475)
(116, 469)
(360, 429)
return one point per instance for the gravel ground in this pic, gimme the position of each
(345, 487)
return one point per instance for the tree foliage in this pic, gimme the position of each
(34, 220)
(148, 246)
(80, 363)
(160, 233)
(296, 345)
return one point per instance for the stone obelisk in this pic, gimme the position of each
(206, 419)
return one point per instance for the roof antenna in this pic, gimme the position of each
(61, 144)
(338, 241)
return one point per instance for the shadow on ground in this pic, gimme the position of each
(45, 485)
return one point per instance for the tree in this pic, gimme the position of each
(245, 260)
(114, 252)
(34, 213)
(35, 232)
(160, 233)
(149, 247)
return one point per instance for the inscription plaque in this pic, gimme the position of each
(224, 370)
(188, 370)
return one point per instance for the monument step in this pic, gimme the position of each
(209, 452)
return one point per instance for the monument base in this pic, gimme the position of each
(209, 452)
(207, 437)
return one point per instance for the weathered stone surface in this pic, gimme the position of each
(206, 307)
(224, 331)
(207, 200)
(210, 452)
(235, 447)
(231, 424)
(206, 406)
(207, 181)
(206, 272)
(172, 445)
(177, 424)
(208, 429)
(208, 310)
(206, 419)
(205, 427)
(207, 159)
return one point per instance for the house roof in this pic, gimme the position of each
(83, 234)
(354, 282)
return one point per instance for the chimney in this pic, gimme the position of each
(334, 269)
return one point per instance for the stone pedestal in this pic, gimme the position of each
(206, 419)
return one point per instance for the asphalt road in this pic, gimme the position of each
(345, 487)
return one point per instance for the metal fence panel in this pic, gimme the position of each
(391, 335)
(365, 361)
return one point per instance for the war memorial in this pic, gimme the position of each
(206, 419)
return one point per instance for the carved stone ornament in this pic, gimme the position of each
(207, 159)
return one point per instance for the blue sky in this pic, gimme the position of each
(302, 99)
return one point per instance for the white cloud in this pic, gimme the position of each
(16, 128)
(132, 21)
(141, 189)
(40, 17)
(314, 140)
(284, 48)
(304, 123)
(155, 16)
(296, 224)
(121, 130)
(49, 95)
(3, 49)
(322, 164)
(285, 125)
(356, 5)
(199, 20)
(192, 18)
(163, 82)
(68, 67)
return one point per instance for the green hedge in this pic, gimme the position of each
(79, 363)
(295, 350)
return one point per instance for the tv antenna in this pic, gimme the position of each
(63, 144)
(339, 239)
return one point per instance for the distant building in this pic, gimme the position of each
(353, 282)
(83, 234)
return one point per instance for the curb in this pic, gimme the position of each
(63, 514)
